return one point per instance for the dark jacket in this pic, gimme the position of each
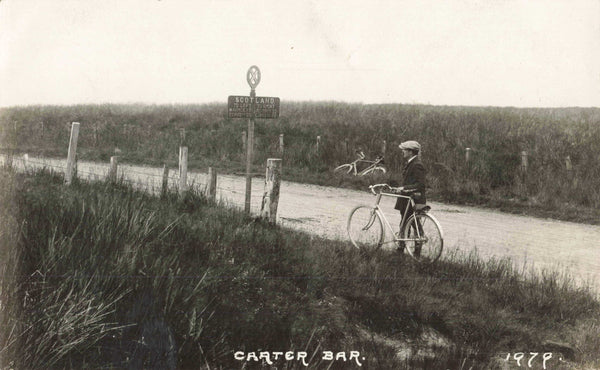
(414, 183)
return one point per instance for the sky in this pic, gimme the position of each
(477, 53)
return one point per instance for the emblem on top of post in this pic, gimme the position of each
(252, 106)
(253, 77)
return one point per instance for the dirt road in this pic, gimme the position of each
(529, 241)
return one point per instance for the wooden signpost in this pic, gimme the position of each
(251, 107)
(71, 154)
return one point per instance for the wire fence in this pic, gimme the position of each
(324, 153)
(320, 150)
(230, 189)
(454, 167)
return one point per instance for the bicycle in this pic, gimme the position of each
(421, 234)
(374, 167)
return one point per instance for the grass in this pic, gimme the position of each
(151, 134)
(100, 275)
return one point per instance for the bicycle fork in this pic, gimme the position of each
(371, 219)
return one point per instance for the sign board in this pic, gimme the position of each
(241, 107)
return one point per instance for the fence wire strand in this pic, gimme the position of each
(152, 186)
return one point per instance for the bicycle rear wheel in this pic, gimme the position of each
(425, 238)
(365, 228)
(345, 168)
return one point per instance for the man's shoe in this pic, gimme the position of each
(400, 248)
(417, 252)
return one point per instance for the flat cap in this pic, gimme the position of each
(410, 145)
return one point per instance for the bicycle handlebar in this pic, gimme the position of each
(376, 186)
(402, 191)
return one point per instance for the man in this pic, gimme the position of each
(413, 183)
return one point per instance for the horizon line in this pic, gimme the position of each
(299, 101)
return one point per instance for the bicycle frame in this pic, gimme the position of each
(370, 167)
(379, 211)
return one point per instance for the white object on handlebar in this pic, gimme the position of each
(373, 187)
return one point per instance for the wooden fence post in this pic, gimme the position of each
(468, 168)
(524, 162)
(95, 134)
(572, 177)
(212, 184)
(114, 165)
(270, 199)
(524, 172)
(72, 153)
(281, 143)
(183, 159)
(383, 148)
(25, 161)
(568, 164)
(9, 158)
(318, 143)
(165, 180)
(182, 141)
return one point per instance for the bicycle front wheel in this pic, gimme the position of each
(365, 228)
(345, 168)
(424, 238)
